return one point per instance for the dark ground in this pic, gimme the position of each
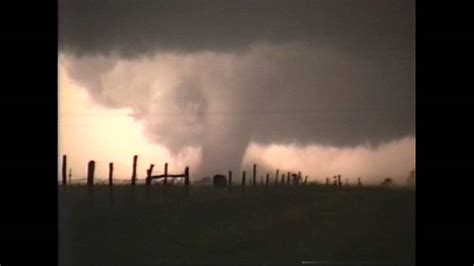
(277, 225)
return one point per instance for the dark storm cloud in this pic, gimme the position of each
(336, 72)
(135, 27)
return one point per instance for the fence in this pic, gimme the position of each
(290, 179)
(90, 179)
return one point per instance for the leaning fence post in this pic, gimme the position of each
(134, 172)
(148, 174)
(243, 179)
(230, 179)
(90, 173)
(305, 180)
(254, 181)
(111, 173)
(64, 170)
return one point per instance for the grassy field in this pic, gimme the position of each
(145, 226)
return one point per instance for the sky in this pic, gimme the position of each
(323, 87)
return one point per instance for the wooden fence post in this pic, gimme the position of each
(359, 184)
(230, 179)
(266, 180)
(149, 172)
(305, 180)
(288, 179)
(186, 177)
(111, 183)
(339, 182)
(134, 171)
(282, 179)
(166, 175)
(276, 176)
(254, 181)
(64, 170)
(70, 175)
(90, 173)
(111, 174)
(243, 179)
(299, 178)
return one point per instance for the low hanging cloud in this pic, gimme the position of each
(394, 159)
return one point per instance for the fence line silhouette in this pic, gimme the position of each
(286, 180)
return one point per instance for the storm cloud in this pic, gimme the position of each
(136, 27)
(223, 74)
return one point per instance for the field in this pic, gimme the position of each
(148, 226)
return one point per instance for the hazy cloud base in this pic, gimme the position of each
(394, 159)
